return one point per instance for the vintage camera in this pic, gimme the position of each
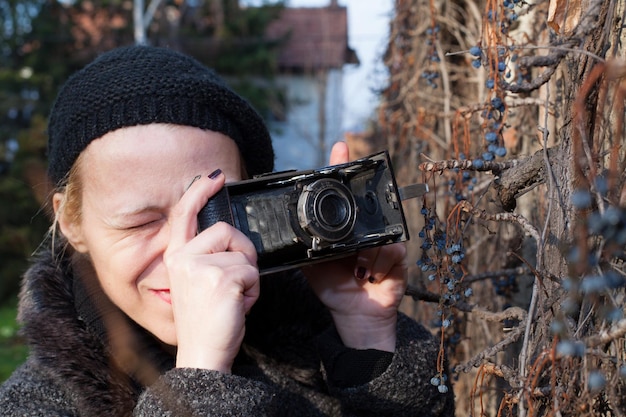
(296, 218)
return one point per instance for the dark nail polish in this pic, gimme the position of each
(360, 272)
(371, 279)
(215, 174)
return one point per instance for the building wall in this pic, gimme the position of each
(296, 140)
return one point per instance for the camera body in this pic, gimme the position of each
(296, 218)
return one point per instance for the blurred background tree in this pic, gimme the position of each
(45, 41)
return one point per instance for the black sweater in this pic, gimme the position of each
(291, 362)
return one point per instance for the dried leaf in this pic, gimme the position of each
(564, 15)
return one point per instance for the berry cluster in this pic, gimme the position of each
(498, 62)
(432, 75)
(601, 281)
(495, 108)
(442, 261)
(440, 382)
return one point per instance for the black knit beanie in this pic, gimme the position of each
(138, 85)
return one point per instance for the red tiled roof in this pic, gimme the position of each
(317, 38)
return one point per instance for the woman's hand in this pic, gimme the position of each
(363, 291)
(214, 281)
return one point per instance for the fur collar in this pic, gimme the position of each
(101, 374)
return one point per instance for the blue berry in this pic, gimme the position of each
(487, 156)
(557, 327)
(490, 83)
(581, 199)
(500, 151)
(491, 137)
(476, 63)
(596, 381)
(442, 389)
(593, 284)
(602, 185)
(435, 381)
(497, 103)
(478, 163)
(501, 66)
(475, 50)
(569, 348)
(615, 315)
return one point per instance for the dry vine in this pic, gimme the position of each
(514, 114)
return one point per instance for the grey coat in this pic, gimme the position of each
(285, 367)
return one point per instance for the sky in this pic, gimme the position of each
(368, 28)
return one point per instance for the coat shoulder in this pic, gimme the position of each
(31, 391)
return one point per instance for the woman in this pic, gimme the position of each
(131, 311)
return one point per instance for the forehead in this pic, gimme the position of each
(158, 153)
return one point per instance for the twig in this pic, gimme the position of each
(488, 353)
(606, 336)
(520, 270)
(509, 313)
(502, 217)
(430, 297)
(467, 165)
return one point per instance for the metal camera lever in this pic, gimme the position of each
(412, 191)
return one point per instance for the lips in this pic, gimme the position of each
(163, 294)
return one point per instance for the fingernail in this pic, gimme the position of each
(371, 280)
(360, 272)
(215, 174)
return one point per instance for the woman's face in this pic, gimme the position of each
(132, 178)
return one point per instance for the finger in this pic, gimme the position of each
(339, 154)
(222, 237)
(252, 290)
(390, 260)
(365, 261)
(376, 264)
(184, 215)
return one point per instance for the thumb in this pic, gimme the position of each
(339, 153)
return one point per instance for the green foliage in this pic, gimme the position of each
(39, 49)
(242, 53)
(31, 70)
(12, 349)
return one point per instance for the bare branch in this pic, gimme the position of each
(430, 297)
(502, 217)
(467, 165)
(606, 336)
(495, 274)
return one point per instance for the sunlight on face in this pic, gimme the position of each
(132, 179)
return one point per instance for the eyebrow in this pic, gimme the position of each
(125, 214)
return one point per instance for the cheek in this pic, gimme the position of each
(122, 264)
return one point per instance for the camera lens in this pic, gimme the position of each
(333, 209)
(326, 209)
